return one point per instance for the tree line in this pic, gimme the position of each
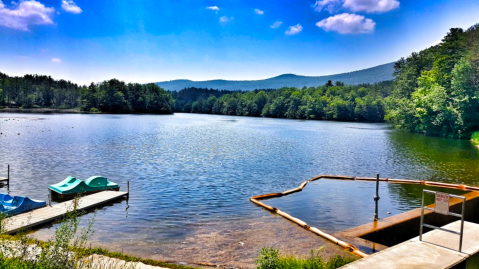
(113, 96)
(328, 102)
(35, 90)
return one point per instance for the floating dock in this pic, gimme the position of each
(437, 250)
(48, 214)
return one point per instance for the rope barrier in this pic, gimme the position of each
(348, 246)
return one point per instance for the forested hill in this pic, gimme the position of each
(371, 75)
(436, 91)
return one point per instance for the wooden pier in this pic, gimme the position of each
(47, 214)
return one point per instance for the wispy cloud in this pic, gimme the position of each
(329, 5)
(347, 24)
(71, 7)
(258, 11)
(214, 8)
(225, 19)
(372, 6)
(276, 24)
(56, 60)
(294, 30)
(24, 14)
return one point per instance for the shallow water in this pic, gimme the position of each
(192, 175)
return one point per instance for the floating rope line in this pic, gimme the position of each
(348, 246)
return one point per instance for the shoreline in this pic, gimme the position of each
(45, 110)
(65, 111)
(77, 111)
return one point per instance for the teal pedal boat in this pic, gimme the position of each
(18, 204)
(71, 186)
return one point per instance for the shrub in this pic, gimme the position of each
(475, 138)
(26, 252)
(269, 258)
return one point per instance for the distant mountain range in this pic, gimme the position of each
(371, 75)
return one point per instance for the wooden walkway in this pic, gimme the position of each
(438, 250)
(50, 213)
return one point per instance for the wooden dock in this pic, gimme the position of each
(47, 214)
(438, 250)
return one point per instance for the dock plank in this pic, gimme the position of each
(50, 213)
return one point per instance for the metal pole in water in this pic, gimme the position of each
(376, 198)
(128, 189)
(8, 177)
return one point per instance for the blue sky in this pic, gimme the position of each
(157, 40)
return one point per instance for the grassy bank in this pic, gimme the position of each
(270, 258)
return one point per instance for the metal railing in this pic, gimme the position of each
(461, 233)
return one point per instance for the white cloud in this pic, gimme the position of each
(374, 6)
(294, 30)
(214, 8)
(225, 19)
(330, 5)
(24, 14)
(347, 24)
(276, 24)
(71, 7)
(258, 11)
(56, 60)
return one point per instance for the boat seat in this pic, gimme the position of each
(17, 201)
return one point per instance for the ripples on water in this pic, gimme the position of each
(193, 172)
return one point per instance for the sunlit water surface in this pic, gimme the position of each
(191, 176)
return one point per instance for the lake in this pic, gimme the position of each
(191, 177)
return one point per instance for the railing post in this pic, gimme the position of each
(462, 223)
(442, 212)
(422, 217)
(376, 198)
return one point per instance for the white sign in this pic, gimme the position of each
(442, 203)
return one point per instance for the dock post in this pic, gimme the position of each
(8, 177)
(376, 198)
(128, 189)
(49, 198)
